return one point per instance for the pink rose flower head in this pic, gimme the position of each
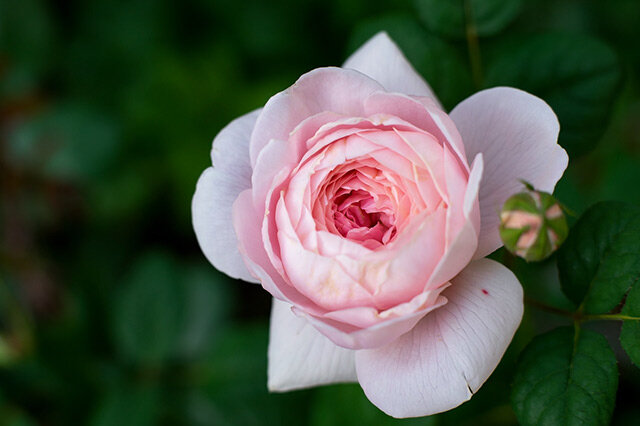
(366, 210)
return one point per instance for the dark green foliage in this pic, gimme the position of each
(630, 334)
(600, 260)
(566, 378)
(107, 112)
(577, 75)
(127, 406)
(165, 311)
(31, 46)
(452, 18)
(70, 143)
(232, 383)
(346, 405)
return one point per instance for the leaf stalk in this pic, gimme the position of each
(578, 316)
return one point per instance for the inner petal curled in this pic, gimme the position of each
(361, 216)
(365, 203)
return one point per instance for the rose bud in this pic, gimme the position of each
(532, 225)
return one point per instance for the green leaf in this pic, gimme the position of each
(30, 46)
(239, 358)
(167, 311)
(346, 405)
(600, 260)
(564, 378)
(127, 406)
(577, 75)
(630, 333)
(438, 62)
(146, 313)
(12, 416)
(114, 44)
(126, 193)
(204, 305)
(68, 142)
(449, 17)
(234, 379)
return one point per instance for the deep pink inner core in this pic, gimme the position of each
(358, 216)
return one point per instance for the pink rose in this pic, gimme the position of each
(366, 210)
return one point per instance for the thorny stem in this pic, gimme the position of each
(473, 45)
(578, 317)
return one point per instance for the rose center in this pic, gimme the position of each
(361, 216)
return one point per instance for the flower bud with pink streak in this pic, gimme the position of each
(532, 224)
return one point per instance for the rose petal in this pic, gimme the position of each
(319, 278)
(421, 112)
(517, 133)
(367, 317)
(217, 189)
(276, 159)
(247, 228)
(336, 90)
(461, 250)
(381, 59)
(452, 351)
(376, 336)
(301, 357)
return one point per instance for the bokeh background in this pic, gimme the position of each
(110, 314)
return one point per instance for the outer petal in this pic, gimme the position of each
(452, 351)
(337, 90)
(517, 133)
(375, 336)
(217, 189)
(381, 59)
(301, 357)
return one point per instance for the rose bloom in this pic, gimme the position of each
(366, 211)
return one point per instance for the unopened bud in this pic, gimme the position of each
(532, 224)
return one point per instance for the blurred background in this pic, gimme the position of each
(109, 312)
